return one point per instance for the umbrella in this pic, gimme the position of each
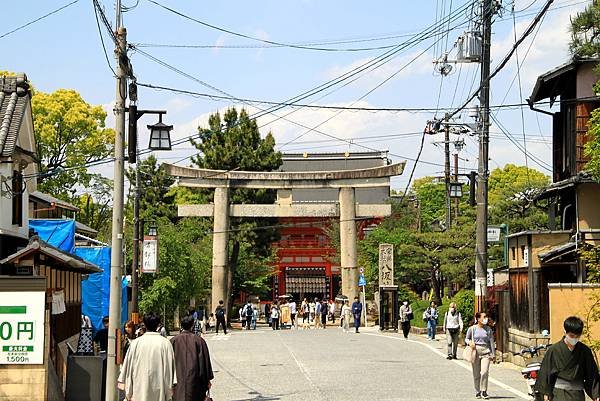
(284, 296)
(341, 298)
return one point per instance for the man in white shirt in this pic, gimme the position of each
(293, 313)
(148, 372)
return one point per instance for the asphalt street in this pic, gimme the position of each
(331, 365)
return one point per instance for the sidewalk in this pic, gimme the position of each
(503, 374)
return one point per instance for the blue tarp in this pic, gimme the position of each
(58, 233)
(95, 291)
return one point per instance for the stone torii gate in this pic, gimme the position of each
(347, 209)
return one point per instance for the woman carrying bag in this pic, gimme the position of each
(480, 351)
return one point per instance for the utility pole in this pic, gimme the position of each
(457, 200)
(116, 257)
(137, 235)
(481, 255)
(447, 172)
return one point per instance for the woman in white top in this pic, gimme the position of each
(347, 314)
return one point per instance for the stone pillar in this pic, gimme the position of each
(348, 243)
(220, 238)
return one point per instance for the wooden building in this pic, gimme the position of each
(63, 273)
(537, 259)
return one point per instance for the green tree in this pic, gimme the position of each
(431, 194)
(95, 206)
(69, 133)
(512, 191)
(157, 198)
(585, 32)
(234, 142)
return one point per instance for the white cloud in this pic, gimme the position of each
(410, 68)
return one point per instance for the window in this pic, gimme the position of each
(523, 251)
(17, 198)
(514, 253)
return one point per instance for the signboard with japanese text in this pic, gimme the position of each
(386, 265)
(22, 327)
(150, 255)
(493, 234)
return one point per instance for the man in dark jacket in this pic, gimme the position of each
(568, 368)
(192, 364)
(356, 312)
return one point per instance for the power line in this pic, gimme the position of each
(39, 19)
(96, 8)
(507, 57)
(319, 107)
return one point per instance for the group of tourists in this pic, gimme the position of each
(309, 314)
(158, 369)
(568, 368)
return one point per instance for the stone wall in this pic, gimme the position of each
(517, 340)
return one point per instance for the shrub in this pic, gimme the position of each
(465, 303)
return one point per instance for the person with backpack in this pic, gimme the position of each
(453, 326)
(248, 315)
(430, 316)
(220, 315)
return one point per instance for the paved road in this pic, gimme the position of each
(327, 364)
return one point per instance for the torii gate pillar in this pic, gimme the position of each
(220, 238)
(348, 242)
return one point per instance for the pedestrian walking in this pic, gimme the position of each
(357, 308)
(346, 316)
(332, 311)
(148, 372)
(221, 316)
(128, 337)
(162, 330)
(268, 314)
(317, 313)
(312, 307)
(242, 316)
(324, 314)
(293, 313)
(101, 337)
(406, 315)
(211, 322)
(481, 340)
(430, 316)
(254, 317)
(453, 326)
(275, 317)
(305, 307)
(85, 342)
(192, 364)
(248, 315)
(568, 369)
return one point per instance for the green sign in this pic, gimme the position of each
(22, 327)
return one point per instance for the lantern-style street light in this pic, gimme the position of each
(152, 231)
(160, 135)
(456, 190)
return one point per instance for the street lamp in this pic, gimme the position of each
(456, 190)
(160, 135)
(152, 231)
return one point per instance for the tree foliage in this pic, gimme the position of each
(585, 31)
(512, 191)
(69, 133)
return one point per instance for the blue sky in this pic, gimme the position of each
(64, 51)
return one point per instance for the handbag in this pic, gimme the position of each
(469, 354)
(410, 316)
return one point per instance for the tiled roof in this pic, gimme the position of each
(14, 98)
(49, 199)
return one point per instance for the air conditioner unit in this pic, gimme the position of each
(469, 47)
